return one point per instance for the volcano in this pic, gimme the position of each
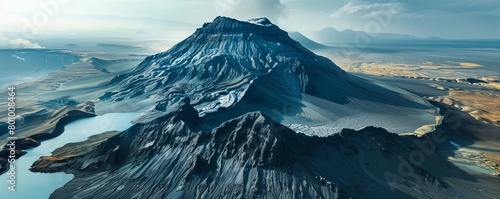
(240, 110)
(229, 67)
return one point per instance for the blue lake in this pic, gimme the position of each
(32, 185)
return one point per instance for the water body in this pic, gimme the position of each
(32, 185)
(24, 65)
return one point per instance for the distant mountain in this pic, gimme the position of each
(304, 41)
(433, 38)
(352, 36)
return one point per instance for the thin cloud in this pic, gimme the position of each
(368, 10)
(246, 9)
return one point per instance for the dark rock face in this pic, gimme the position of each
(250, 156)
(24, 143)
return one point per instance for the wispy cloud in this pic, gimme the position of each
(5, 42)
(368, 10)
(246, 9)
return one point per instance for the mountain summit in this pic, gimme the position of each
(229, 68)
(229, 25)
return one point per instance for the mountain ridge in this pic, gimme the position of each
(331, 34)
(251, 156)
(305, 41)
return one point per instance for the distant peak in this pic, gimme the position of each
(329, 29)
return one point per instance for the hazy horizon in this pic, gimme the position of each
(25, 20)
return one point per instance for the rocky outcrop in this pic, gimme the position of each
(251, 156)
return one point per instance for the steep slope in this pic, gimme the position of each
(230, 67)
(251, 156)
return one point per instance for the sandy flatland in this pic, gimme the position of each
(483, 106)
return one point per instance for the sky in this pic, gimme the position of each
(24, 20)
